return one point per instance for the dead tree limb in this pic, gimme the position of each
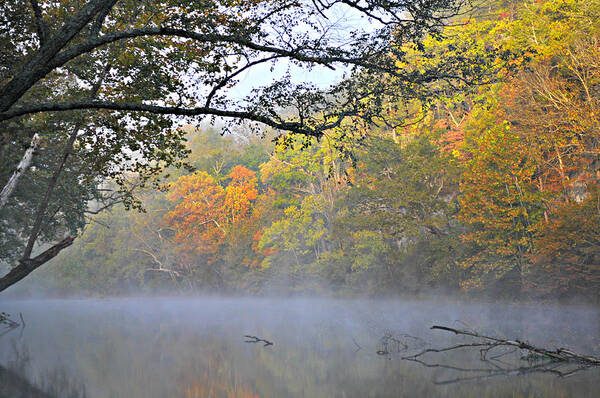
(451, 348)
(7, 324)
(559, 354)
(254, 339)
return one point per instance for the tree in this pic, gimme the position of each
(399, 211)
(240, 193)
(207, 216)
(500, 199)
(567, 260)
(222, 29)
(132, 54)
(68, 180)
(529, 146)
(199, 217)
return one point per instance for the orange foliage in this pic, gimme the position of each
(198, 217)
(205, 214)
(567, 259)
(240, 193)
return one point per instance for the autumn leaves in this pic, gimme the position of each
(206, 212)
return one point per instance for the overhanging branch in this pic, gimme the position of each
(155, 109)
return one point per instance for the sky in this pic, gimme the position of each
(342, 19)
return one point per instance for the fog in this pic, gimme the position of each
(195, 347)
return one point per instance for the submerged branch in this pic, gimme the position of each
(559, 362)
(254, 339)
(560, 354)
(7, 324)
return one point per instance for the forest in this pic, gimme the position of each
(299, 198)
(486, 186)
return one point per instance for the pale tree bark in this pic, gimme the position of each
(27, 264)
(21, 169)
(37, 225)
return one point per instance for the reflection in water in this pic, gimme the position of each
(322, 348)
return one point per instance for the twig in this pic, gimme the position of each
(254, 339)
(8, 323)
(454, 347)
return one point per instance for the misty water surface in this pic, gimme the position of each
(322, 348)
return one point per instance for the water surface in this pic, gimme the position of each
(322, 348)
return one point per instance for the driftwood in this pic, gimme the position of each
(559, 362)
(7, 324)
(254, 339)
(488, 343)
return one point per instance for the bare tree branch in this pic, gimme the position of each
(254, 339)
(560, 354)
(40, 26)
(163, 110)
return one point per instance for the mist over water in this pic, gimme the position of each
(195, 347)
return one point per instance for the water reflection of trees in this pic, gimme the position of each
(161, 353)
(17, 380)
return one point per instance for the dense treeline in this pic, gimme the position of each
(488, 188)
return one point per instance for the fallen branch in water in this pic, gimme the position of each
(560, 354)
(559, 362)
(8, 323)
(254, 339)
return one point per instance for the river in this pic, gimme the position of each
(195, 347)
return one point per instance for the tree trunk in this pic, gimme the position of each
(37, 225)
(29, 265)
(21, 169)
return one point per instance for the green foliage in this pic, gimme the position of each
(104, 261)
(65, 213)
(490, 186)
